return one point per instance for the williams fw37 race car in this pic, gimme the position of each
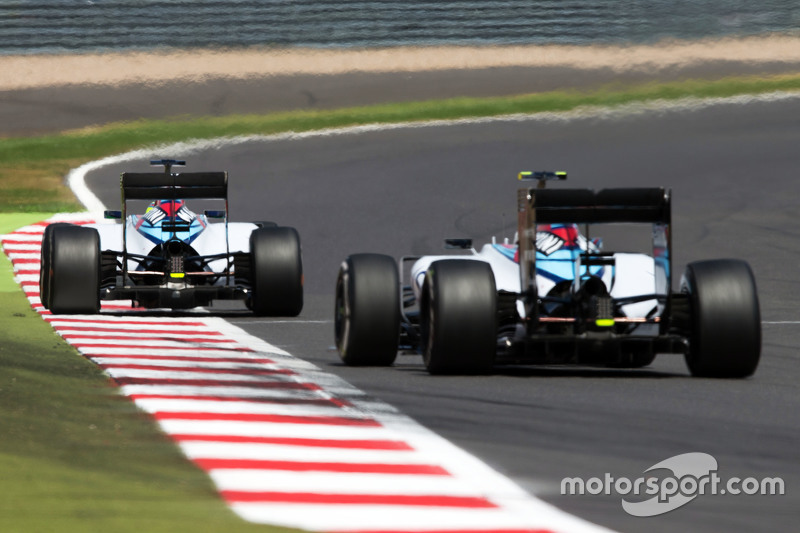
(555, 297)
(171, 257)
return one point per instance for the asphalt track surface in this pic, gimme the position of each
(34, 111)
(732, 170)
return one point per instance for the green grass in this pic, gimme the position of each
(31, 177)
(75, 455)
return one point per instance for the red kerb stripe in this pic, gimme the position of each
(310, 466)
(276, 419)
(187, 347)
(148, 331)
(358, 499)
(204, 370)
(16, 242)
(146, 335)
(185, 358)
(131, 322)
(360, 444)
(321, 402)
(282, 385)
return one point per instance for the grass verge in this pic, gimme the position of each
(31, 178)
(75, 455)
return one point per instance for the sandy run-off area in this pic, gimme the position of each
(33, 71)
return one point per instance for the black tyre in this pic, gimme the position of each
(367, 321)
(277, 271)
(72, 272)
(458, 315)
(725, 336)
(45, 268)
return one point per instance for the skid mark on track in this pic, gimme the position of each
(284, 442)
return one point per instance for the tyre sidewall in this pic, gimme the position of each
(459, 317)
(725, 339)
(73, 278)
(367, 325)
(277, 272)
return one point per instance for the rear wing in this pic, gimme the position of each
(584, 206)
(161, 186)
(170, 185)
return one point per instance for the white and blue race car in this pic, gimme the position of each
(169, 256)
(552, 297)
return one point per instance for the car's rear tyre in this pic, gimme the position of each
(725, 323)
(45, 266)
(70, 282)
(367, 319)
(458, 317)
(277, 271)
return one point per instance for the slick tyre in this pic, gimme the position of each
(367, 318)
(71, 270)
(277, 272)
(458, 316)
(725, 323)
(46, 264)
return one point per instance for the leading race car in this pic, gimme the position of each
(171, 257)
(553, 297)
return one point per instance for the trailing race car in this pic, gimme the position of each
(554, 297)
(171, 257)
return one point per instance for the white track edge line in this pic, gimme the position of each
(76, 178)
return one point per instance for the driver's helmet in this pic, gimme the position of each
(160, 209)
